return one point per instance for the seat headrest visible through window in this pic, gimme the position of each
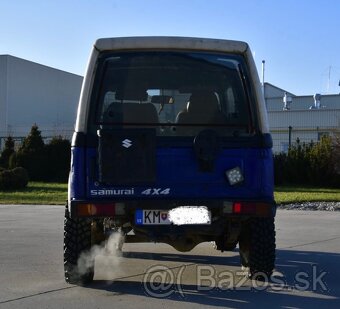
(203, 102)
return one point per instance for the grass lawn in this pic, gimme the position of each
(285, 195)
(36, 193)
(56, 193)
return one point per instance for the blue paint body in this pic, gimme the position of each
(177, 169)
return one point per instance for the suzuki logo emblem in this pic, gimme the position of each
(126, 143)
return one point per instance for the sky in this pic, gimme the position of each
(298, 39)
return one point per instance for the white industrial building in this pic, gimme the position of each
(34, 93)
(306, 118)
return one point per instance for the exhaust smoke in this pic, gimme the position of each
(110, 252)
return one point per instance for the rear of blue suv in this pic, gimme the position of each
(171, 145)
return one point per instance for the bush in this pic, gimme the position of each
(35, 163)
(32, 155)
(280, 163)
(58, 152)
(336, 153)
(21, 176)
(322, 171)
(49, 162)
(308, 164)
(7, 152)
(13, 179)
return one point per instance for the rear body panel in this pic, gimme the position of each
(177, 170)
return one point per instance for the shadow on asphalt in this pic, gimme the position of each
(184, 258)
(316, 274)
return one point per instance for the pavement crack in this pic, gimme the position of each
(37, 294)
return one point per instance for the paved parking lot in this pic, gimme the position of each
(31, 271)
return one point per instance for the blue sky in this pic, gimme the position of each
(299, 39)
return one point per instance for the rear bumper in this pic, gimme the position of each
(126, 208)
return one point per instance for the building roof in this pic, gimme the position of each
(278, 88)
(36, 63)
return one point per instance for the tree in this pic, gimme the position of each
(58, 151)
(31, 155)
(7, 152)
(33, 142)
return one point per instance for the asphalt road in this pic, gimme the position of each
(31, 269)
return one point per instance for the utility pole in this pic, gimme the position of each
(329, 78)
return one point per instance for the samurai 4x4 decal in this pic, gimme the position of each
(156, 191)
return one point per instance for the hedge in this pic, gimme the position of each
(314, 164)
(44, 162)
(16, 178)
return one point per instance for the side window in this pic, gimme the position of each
(109, 98)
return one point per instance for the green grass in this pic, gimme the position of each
(36, 193)
(56, 193)
(285, 195)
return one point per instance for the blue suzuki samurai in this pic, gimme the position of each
(171, 128)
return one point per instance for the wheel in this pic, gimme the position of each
(257, 247)
(78, 261)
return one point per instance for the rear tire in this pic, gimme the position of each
(77, 241)
(257, 247)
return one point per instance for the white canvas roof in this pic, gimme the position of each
(170, 43)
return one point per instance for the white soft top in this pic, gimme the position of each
(160, 42)
(167, 43)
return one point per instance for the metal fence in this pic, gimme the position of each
(46, 136)
(284, 137)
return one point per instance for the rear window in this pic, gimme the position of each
(178, 94)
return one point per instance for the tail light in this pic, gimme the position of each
(248, 208)
(100, 209)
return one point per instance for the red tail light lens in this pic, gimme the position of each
(252, 208)
(95, 210)
(237, 208)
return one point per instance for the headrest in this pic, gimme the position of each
(203, 102)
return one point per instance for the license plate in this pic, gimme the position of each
(151, 217)
(179, 216)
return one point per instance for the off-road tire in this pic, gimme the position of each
(77, 240)
(257, 247)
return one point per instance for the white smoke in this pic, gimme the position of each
(111, 250)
